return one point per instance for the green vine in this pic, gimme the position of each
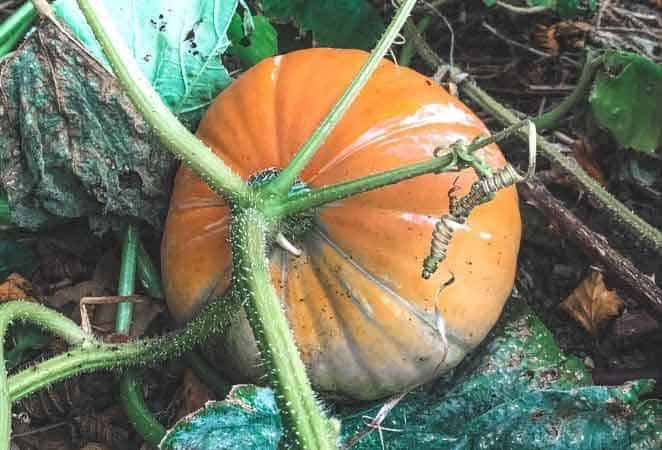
(15, 27)
(620, 213)
(305, 424)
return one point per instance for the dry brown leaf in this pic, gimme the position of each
(592, 304)
(14, 287)
(586, 157)
(567, 33)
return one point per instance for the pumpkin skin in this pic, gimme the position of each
(363, 318)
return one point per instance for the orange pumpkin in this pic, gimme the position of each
(364, 319)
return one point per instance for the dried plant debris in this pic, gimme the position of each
(592, 304)
(15, 287)
(71, 143)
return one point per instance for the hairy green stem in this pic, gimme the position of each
(15, 27)
(43, 317)
(127, 277)
(89, 356)
(137, 411)
(305, 424)
(317, 197)
(620, 213)
(171, 132)
(281, 185)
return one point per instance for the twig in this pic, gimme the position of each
(523, 10)
(376, 422)
(593, 244)
(514, 43)
(621, 214)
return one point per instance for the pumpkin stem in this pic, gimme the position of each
(281, 185)
(305, 424)
(314, 198)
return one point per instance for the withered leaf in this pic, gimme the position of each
(14, 287)
(71, 143)
(592, 304)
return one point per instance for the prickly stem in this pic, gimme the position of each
(305, 425)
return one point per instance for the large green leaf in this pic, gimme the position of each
(252, 46)
(177, 44)
(627, 100)
(339, 23)
(71, 143)
(517, 392)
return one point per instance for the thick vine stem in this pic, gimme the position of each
(284, 181)
(44, 317)
(87, 354)
(127, 279)
(552, 117)
(306, 426)
(15, 27)
(638, 227)
(318, 197)
(172, 133)
(137, 411)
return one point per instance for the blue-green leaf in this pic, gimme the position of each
(247, 419)
(178, 45)
(627, 100)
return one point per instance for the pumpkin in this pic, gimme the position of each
(365, 321)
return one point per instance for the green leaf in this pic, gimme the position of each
(490, 2)
(261, 42)
(178, 45)
(517, 392)
(247, 419)
(340, 23)
(16, 257)
(626, 100)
